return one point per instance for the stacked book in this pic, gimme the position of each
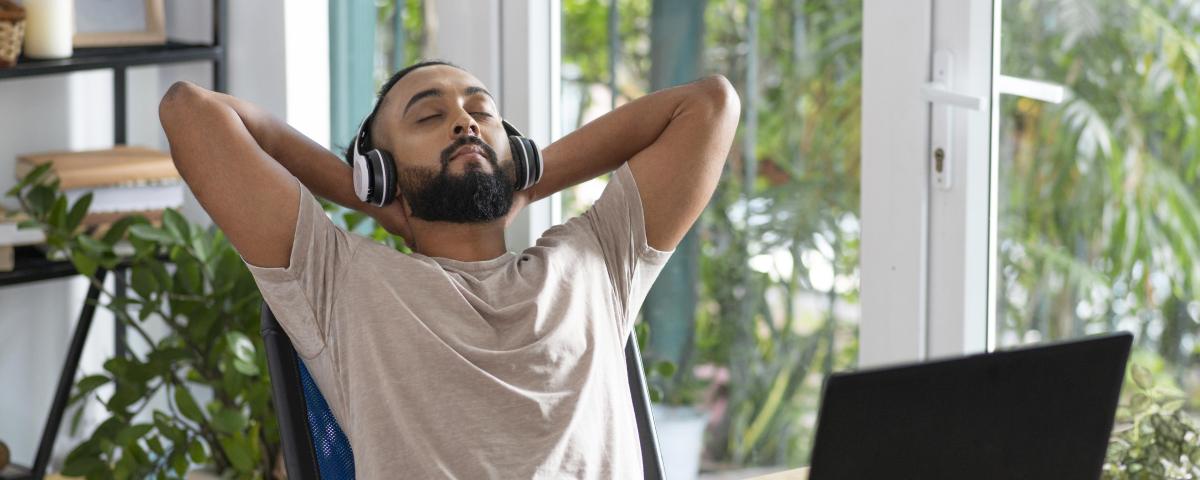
(122, 180)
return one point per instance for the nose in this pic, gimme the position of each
(465, 125)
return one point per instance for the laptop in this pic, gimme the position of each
(1037, 413)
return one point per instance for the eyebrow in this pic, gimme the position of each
(437, 92)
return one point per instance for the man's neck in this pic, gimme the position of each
(471, 242)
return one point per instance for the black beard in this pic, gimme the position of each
(473, 197)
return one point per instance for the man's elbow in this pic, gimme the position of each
(721, 102)
(181, 97)
(722, 96)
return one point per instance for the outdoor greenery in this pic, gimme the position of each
(209, 302)
(1153, 439)
(1099, 220)
(779, 257)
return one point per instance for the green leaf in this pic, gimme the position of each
(108, 429)
(150, 233)
(176, 226)
(243, 351)
(119, 227)
(239, 454)
(1171, 407)
(29, 224)
(187, 405)
(228, 421)
(180, 464)
(41, 199)
(86, 384)
(665, 368)
(85, 265)
(156, 446)
(124, 467)
(198, 450)
(1142, 376)
(127, 394)
(78, 211)
(144, 281)
(160, 274)
(58, 214)
(35, 176)
(75, 419)
(91, 245)
(1167, 391)
(167, 428)
(84, 466)
(117, 365)
(655, 394)
(132, 433)
(1139, 403)
(642, 330)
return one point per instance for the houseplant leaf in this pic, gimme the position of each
(187, 405)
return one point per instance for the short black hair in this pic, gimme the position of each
(348, 153)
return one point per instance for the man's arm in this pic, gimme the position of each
(675, 141)
(238, 160)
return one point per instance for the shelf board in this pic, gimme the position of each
(113, 57)
(31, 265)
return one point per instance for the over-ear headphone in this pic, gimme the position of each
(375, 171)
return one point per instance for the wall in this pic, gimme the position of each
(74, 111)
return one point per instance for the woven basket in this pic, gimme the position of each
(12, 32)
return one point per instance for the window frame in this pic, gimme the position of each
(918, 304)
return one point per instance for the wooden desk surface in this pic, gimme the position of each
(797, 474)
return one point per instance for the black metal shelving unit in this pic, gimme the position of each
(30, 264)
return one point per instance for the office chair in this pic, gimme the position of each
(314, 446)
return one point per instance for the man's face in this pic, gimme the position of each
(444, 131)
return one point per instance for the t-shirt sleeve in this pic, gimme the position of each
(619, 226)
(302, 294)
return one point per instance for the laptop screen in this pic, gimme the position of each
(1038, 413)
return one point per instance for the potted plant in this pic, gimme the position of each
(1153, 438)
(210, 305)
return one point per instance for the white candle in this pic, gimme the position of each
(49, 26)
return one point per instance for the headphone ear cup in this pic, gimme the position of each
(535, 164)
(361, 177)
(521, 161)
(382, 178)
(533, 161)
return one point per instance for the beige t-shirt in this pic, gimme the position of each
(507, 368)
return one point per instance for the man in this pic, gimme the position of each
(462, 360)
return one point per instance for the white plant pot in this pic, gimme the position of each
(680, 438)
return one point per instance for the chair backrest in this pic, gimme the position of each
(315, 448)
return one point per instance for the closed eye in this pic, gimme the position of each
(429, 117)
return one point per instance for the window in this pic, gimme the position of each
(1099, 225)
(769, 296)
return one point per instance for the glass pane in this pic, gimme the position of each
(1098, 204)
(777, 277)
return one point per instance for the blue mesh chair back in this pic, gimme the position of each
(314, 446)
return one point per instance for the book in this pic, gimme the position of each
(11, 235)
(117, 165)
(94, 224)
(131, 196)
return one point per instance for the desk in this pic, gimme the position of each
(797, 474)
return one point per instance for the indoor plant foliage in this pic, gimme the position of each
(210, 304)
(1154, 438)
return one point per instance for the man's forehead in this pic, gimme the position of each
(449, 80)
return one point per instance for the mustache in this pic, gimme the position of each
(469, 140)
